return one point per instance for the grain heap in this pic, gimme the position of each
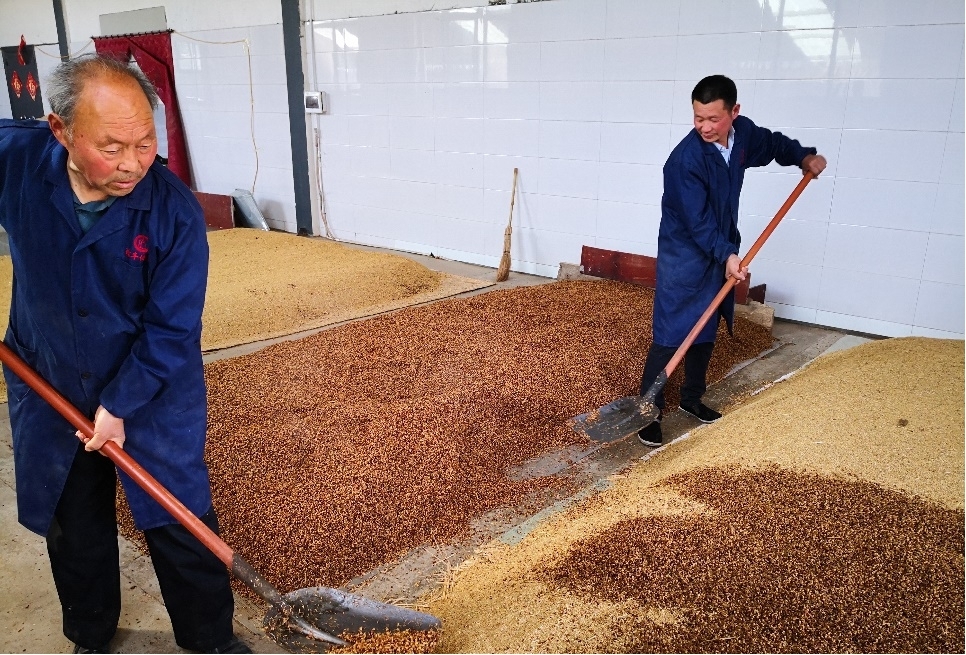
(782, 561)
(268, 284)
(339, 452)
(824, 515)
(400, 641)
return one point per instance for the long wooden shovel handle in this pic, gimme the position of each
(235, 563)
(728, 285)
(117, 455)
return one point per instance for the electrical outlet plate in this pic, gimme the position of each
(315, 102)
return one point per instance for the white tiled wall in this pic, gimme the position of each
(430, 112)
(235, 113)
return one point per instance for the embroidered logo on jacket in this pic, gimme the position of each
(140, 252)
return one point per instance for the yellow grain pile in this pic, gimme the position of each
(269, 284)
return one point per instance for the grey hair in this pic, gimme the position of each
(67, 81)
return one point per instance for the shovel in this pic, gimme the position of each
(630, 414)
(306, 620)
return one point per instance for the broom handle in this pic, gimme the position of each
(513, 197)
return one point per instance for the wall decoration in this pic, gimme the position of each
(22, 81)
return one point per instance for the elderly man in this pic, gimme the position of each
(110, 265)
(698, 240)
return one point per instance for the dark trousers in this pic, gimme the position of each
(83, 550)
(695, 371)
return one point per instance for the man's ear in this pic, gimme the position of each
(59, 128)
(734, 111)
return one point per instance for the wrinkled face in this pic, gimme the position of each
(713, 121)
(112, 142)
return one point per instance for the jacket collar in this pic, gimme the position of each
(710, 150)
(63, 198)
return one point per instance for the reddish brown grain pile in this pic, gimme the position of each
(783, 562)
(339, 452)
(401, 641)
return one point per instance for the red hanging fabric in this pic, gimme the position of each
(152, 52)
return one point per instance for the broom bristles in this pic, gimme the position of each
(503, 272)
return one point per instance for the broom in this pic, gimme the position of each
(503, 272)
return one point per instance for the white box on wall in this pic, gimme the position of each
(314, 102)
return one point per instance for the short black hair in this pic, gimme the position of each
(716, 87)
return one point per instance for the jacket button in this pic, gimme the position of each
(82, 313)
(85, 375)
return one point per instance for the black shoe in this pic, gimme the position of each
(651, 435)
(701, 412)
(235, 645)
(100, 649)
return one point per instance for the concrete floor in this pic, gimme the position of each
(30, 611)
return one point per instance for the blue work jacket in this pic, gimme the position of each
(111, 317)
(699, 225)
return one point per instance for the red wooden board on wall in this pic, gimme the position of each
(218, 210)
(636, 269)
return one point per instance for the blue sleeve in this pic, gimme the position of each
(686, 194)
(172, 320)
(6, 136)
(22, 148)
(765, 146)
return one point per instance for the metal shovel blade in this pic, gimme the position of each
(617, 420)
(338, 613)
